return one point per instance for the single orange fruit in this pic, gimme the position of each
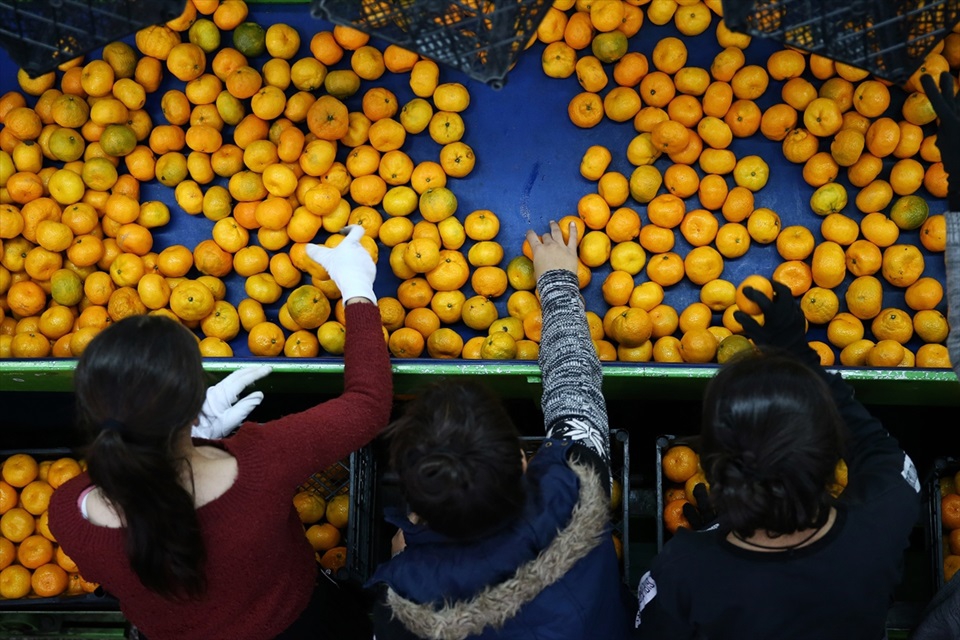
(15, 582)
(673, 517)
(334, 559)
(755, 281)
(310, 506)
(950, 511)
(49, 580)
(20, 469)
(323, 537)
(679, 463)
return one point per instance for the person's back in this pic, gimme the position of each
(497, 546)
(197, 536)
(786, 560)
(837, 588)
(265, 581)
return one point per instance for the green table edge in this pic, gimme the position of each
(907, 387)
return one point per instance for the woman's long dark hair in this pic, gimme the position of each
(139, 385)
(770, 440)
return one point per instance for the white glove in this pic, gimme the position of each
(350, 266)
(221, 412)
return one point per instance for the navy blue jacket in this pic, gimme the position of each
(551, 575)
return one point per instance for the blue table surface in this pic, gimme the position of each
(527, 169)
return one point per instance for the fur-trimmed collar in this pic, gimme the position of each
(497, 604)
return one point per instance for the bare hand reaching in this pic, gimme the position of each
(551, 252)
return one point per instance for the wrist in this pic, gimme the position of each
(557, 277)
(358, 300)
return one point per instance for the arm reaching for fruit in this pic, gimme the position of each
(947, 105)
(572, 402)
(350, 266)
(870, 448)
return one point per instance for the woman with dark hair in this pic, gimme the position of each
(495, 545)
(199, 538)
(786, 559)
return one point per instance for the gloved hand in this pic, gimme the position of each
(350, 266)
(947, 106)
(221, 412)
(784, 325)
(702, 517)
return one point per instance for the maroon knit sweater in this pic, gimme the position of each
(260, 568)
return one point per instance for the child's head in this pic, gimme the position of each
(770, 441)
(459, 460)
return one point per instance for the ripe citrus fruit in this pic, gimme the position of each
(679, 463)
(338, 510)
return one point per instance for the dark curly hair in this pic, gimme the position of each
(458, 457)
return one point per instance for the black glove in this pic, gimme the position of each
(701, 517)
(784, 325)
(947, 106)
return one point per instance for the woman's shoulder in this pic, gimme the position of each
(64, 502)
(70, 491)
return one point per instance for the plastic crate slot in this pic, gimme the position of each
(354, 476)
(482, 39)
(39, 35)
(888, 39)
(942, 468)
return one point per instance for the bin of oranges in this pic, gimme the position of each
(181, 172)
(32, 564)
(335, 507)
(943, 496)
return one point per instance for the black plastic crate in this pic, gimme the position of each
(889, 39)
(41, 34)
(663, 443)
(942, 468)
(355, 475)
(481, 38)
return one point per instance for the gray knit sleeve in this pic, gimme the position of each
(573, 404)
(952, 259)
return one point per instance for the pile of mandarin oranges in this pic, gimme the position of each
(829, 117)
(325, 519)
(258, 138)
(32, 564)
(950, 519)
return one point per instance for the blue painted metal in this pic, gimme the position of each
(527, 172)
